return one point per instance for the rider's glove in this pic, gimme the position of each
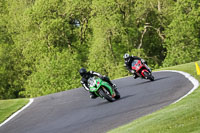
(102, 77)
(143, 61)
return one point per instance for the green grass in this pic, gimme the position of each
(182, 117)
(8, 107)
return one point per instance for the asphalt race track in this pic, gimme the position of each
(74, 112)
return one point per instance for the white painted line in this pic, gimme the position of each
(13, 115)
(189, 77)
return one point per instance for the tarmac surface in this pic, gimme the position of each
(74, 112)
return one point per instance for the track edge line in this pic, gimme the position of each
(16, 113)
(194, 81)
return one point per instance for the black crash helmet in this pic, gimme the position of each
(82, 71)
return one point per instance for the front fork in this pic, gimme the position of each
(105, 90)
(148, 68)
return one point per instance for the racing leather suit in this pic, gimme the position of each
(84, 80)
(129, 61)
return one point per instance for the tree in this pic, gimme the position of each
(10, 63)
(57, 72)
(182, 41)
(152, 19)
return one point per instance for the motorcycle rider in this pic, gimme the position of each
(128, 62)
(86, 75)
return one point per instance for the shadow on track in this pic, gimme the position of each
(161, 78)
(106, 102)
(124, 97)
(157, 79)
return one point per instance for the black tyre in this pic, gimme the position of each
(117, 94)
(152, 78)
(148, 76)
(105, 95)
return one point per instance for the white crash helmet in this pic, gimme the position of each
(126, 56)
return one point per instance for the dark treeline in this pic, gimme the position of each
(43, 43)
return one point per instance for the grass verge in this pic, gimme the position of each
(8, 107)
(182, 117)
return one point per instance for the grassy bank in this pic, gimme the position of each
(182, 117)
(8, 107)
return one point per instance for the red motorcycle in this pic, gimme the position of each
(142, 70)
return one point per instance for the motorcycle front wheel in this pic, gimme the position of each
(105, 95)
(117, 94)
(149, 76)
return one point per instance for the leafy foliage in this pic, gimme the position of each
(56, 72)
(43, 43)
(182, 40)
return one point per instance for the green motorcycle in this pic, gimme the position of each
(102, 89)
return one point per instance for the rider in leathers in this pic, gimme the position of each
(86, 75)
(128, 61)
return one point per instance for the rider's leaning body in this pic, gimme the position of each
(86, 75)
